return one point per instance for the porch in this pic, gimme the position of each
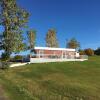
(37, 58)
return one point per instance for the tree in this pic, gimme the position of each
(97, 51)
(89, 52)
(73, 43)
(13, 19)
(82, 52)
(51, 39)
(31, 34)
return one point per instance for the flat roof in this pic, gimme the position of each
(51, 48)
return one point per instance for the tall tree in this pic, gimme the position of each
(13, 19)
(51, 39)
(31, 34)
(73, 43)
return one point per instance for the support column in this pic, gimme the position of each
(39, 54)
(62, 55)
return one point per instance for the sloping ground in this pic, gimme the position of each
(2, 94)
(53, 81)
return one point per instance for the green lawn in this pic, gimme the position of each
(53, 81)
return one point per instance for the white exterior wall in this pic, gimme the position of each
(44, 60)
(77, 54)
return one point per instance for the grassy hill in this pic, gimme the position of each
(53, 81)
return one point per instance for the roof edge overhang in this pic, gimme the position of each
(51, 48)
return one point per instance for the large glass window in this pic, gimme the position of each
(41, 53)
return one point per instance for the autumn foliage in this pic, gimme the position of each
(89, 52)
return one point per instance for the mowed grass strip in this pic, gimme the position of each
(53, 81)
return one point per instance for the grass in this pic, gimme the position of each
(53, 81)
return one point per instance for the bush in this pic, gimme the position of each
(89, 52)
(4, 57)
(97, 51)
(4, 65)
(18, 58)
(82, 52)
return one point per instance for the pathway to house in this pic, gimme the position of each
(2, 94)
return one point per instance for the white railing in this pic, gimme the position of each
(83, 57)
(55, 56)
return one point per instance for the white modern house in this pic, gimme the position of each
(48, 54)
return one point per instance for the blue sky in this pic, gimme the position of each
(71, 18)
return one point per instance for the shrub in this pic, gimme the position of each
(18, 57)
(97, 51)
(89, 52)
(82, 52)
(4, 57)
